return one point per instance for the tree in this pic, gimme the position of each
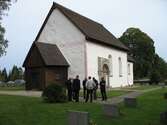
(141, 49)
(161, 66)
(4, 76)
(15, 73)
(4, 6)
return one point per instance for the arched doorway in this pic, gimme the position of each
(106, 74)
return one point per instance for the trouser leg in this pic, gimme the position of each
(87, 96)
(84, 93)
(91, 95)
(102, 94)
(94, 94)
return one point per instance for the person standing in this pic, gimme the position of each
(84, 87)
(76, 88)
(89, 86)
(95, 88)
(103, 89)
(69, 89)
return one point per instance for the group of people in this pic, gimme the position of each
(90, 87)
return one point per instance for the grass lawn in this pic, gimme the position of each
(110, 93)
(15, 88)
(141, 87)
(15, 110)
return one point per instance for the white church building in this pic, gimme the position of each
(87, 47)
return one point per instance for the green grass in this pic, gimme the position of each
(110, 93)
(17, 110)
(15, 88)
(141, 87)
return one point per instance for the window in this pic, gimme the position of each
(110, 64)
(128, 69)
(120, 66)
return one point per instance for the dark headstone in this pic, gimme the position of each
(163, 118)
(162, 85)
(165, 95)
(130, 102)
(78, 118)
(111, 110)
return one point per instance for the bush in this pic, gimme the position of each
(155, 77)
(54, 93)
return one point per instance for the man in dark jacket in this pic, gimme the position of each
(95, 88)
(69, 89)
(103, 89)
(84, 87)
(76, 88)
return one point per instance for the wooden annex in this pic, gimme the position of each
(44, 65)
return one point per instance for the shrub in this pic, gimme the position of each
(54, 93)
(155, 77)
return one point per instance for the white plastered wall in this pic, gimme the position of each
(95, 50)
(130, 74)
(61, 31)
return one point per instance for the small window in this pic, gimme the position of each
(120, 66)
(128, 69)
(110, 64)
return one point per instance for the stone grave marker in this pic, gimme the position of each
(78, 118)
(163, 118)
(130, 101)
(111, 110)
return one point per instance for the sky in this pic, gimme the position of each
(25, 18)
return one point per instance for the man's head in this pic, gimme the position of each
(77, 77)
(89, 77)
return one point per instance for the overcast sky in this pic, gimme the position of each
(26, 17)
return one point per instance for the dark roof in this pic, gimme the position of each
(91, 29)
(130, 59)
(51, 54)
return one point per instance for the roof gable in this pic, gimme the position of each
(49, 54)
(92, 30)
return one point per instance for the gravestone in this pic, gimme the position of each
(165, 95)
(163, 118)
(162, 85)
(111, 110)
(130, 102)
(78, 118)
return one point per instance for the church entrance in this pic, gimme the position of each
(106, 74)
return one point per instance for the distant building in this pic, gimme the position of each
(69, 44)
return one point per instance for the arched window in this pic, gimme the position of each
(111, 67)
(120, 66)
(128, 69)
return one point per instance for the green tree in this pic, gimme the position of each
(4, 76)
(141, 49)
(4, 6)
(161, 66)
(15, 73)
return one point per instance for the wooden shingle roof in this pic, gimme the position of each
(50, 54)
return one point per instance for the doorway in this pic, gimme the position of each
(106, 74)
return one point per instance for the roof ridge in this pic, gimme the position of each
(61, 6)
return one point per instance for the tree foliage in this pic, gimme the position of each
(14, 74)
(141, 49)
(147, 62)
(4, 6)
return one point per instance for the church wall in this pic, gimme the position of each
(94, 51)
(71, 42)
(130, 74)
